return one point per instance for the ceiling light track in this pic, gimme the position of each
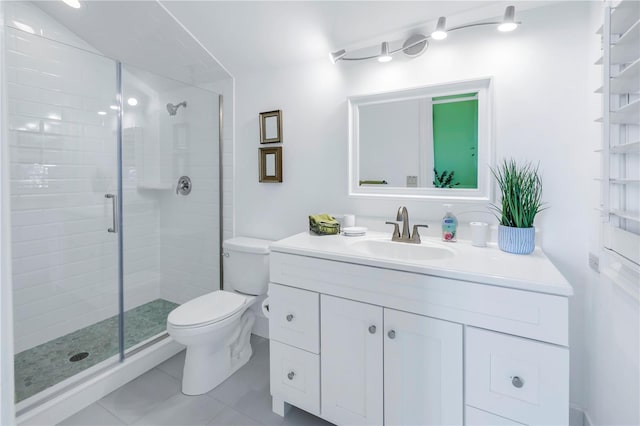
(416, 44)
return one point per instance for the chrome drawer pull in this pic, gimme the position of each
(372, 329)
(517, 382)
(290, 317)
(291, 375)
(391, 334)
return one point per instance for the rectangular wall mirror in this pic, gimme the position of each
(428, 142)
(271, 127)
(270, 161)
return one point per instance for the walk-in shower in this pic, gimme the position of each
(102, 247)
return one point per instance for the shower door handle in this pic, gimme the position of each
(114, 214)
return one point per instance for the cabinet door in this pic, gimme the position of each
(423, 361)
(351, 361)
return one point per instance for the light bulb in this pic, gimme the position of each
(440, 33)
(384, 53)
(508, 22)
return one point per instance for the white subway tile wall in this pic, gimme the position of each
(63, 161)
(189, 225)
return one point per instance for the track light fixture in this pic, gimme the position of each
(416, 44)
(509, 21)
(440, 32)
(337, 55)
(384, 53)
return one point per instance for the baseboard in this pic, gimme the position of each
(66, 404)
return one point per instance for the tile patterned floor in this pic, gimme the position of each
(155, 399)
(45, 365)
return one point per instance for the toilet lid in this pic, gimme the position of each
(210, 308)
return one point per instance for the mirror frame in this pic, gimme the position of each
(485, 153)
(262, 161)
(263, 126)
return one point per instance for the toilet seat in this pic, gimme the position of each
(207, 309)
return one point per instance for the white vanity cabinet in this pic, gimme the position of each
(363, 343)
(351, 363)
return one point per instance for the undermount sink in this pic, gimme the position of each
(402, 251)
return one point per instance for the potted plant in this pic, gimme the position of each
(521, 189)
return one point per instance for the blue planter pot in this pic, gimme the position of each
(516, 240)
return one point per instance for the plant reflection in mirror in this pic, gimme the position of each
(444, 180)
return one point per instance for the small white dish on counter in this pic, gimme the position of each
(354, 231)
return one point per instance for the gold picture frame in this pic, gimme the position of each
(270, 162)
(271, 127)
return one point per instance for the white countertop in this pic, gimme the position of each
(486, 265)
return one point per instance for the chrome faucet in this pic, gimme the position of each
(405, 237)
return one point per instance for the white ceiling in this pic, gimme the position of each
(246, 36)
(249, 35)
(139, 33)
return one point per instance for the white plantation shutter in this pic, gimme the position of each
(621, 130)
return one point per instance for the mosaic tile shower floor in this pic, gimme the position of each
(45, 365)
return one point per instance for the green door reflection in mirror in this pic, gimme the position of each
(455, 141)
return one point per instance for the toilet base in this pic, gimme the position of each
(209, 364)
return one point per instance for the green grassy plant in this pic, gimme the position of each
(444, 180)
(521, 189)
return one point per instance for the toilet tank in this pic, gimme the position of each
(246, 265)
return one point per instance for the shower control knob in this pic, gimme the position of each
(291, 375)
(372, 329)
(517, 382)
(184, 186)
(290, 317)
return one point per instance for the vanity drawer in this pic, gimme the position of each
(475, 417)
(521, 379)
(295, 376)
(294, 317)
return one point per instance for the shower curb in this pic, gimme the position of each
(69, 402)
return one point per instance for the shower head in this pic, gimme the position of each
(172, 109)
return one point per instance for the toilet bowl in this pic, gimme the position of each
(216, 327)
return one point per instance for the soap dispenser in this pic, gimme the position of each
(449, 225)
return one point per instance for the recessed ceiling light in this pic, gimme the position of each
(132, 101)
(102, 113)
(73, 3)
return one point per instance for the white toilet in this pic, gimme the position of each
(216, 327)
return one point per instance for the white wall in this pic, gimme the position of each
(541, 104)
(613, 343)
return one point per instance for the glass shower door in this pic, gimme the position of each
(171, 199)
(64, 173)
